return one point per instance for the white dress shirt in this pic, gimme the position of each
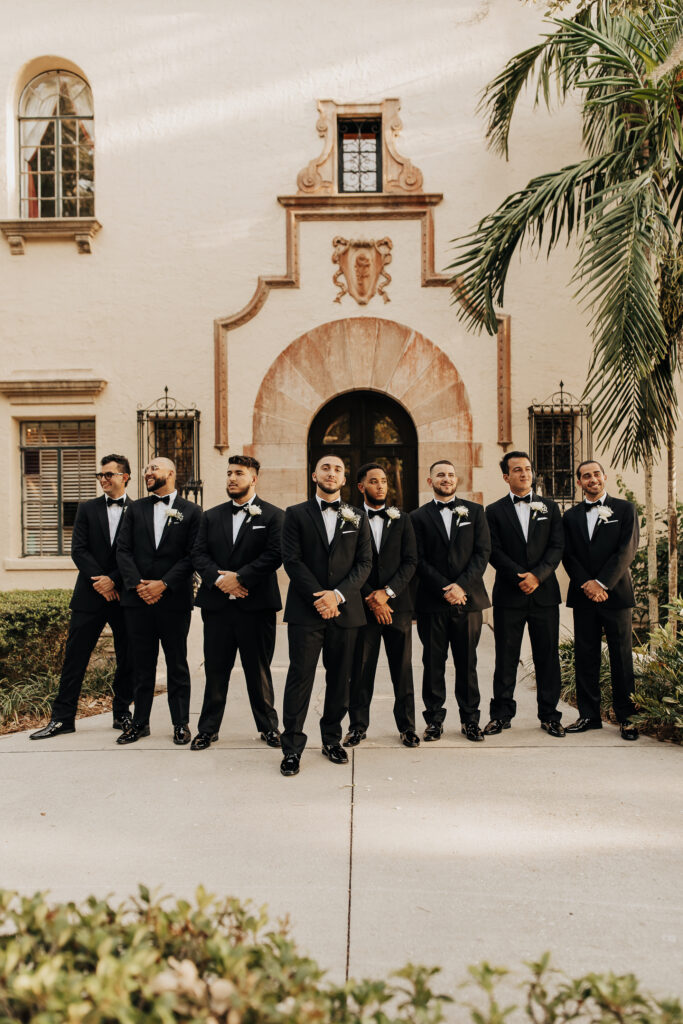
(238, 520)
(114, 513)
(376, 525)
(523, 510)
(160, 510)
(446, 515)
(592, 515)
(330, 520)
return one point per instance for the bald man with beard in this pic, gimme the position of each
(153, 556)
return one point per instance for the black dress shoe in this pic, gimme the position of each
(353, 737)
(433, 732)
(203, 740)
(133, 734)
(496, 725)
(290, 764)
(336, 754)
(122, 723)
(410, 739)
(53, 729)
(553, 728)
(181, 735)
(472, 732)
(272, 738)
(584, 724)
(628, 731)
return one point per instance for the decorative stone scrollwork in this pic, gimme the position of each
(361, 268)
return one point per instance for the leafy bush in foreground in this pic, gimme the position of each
(215, 961)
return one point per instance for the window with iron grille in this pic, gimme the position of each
(56, 148)
(57, 472)
(559, 439)
(167, 428)
(359, 146)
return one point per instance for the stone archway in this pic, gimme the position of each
(345, 355)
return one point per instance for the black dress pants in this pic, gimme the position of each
(148, 626)
(85, 629)
(305, 645)
(544, 633)
(459, 630)
(590, 619)
(398, 644)
(252, 634)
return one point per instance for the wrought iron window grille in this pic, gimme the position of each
(359, 151)
(559, 439)
(170, 430)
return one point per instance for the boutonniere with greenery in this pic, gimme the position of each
(605, 513)
(462, 512)
(537, 507)
(254, 510)
(174, 515)
(347, 515)
(392, 513)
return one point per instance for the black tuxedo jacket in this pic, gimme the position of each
(460, 559)
(255, 556)
(312, 564)
(93, 552)
(511, 553)
(606, 557)
(394, 564)
(138, 559)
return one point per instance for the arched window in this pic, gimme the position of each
(56, 147)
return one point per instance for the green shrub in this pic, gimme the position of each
(568, 692)
(33, 628)
(148, 962)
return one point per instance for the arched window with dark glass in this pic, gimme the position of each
(56, 147)
(366, 426)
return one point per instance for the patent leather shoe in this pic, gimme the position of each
(433, 732)
(53, 728)
(628, 731)
(472, 732)
(133, 734)
(410, 738)
(336, 754)
(290, 764)
(203, 740)
(181, 735)
(123, 723)
(496, 725)
(553, 728)
(584, 724)
(272, 738)
(353, 737)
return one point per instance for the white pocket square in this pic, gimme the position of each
(258, 527)
(348, 531)
(610, 522)
(460, 525)
(542, 519)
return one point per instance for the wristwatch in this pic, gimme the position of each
(389, 592)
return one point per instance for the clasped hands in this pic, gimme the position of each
(228, 583)
(454, 594)
(528, 582)
(105, 587)
(150, 590)
(594, 592)
(378, 602)
(327, 605)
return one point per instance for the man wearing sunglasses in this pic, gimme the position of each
(95, 600)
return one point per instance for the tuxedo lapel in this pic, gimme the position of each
(385, 530)
(435, 515)
(316, 515)
(339, 526)
(510, 512)
(599, 525)
(177, 506)
(120, 523)
(245, 527)
(226, 525)
(148, 516)
(103, 519)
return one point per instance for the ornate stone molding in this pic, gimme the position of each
(41, 391)
(79, 229)
(319, 176)
(362, 266)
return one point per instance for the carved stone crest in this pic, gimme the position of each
(361, 267)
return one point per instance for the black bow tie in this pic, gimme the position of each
(591, 504)
(446, 504)
(330, 504)
(166, 498)
(377, 512)
(239, 508)
(516, 498)
(116, 501)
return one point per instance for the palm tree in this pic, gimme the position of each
(622, 203)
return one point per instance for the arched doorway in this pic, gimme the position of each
(367, 426)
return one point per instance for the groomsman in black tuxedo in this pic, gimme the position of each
(527, 541)
(153, 555)
(388, 612)
(327, 555)
(95, 600)
(601, 540)
(237, 554)
(453, 547)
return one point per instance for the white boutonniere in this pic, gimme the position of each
(537, 507)
(392, 513)
(347, 515)
(605, 513)
(174, 515)
(462, 512)
(254, 510)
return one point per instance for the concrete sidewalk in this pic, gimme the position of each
(448, 854)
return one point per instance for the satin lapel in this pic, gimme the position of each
(433, 511)
(118, 528)
(337, 532)
(103, 519)
(226, 524)
(245, 528)
(583, 523)
(316, 515)
(509, 510)
(167, 525)
(148, 516)
(599, 525)
(385, 531)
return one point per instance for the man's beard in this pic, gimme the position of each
(237, 495)
(444, 490)
(157, 484)
(326, 489)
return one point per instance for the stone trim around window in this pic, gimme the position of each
(39, 563)
(78, 229)
(63, 391)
